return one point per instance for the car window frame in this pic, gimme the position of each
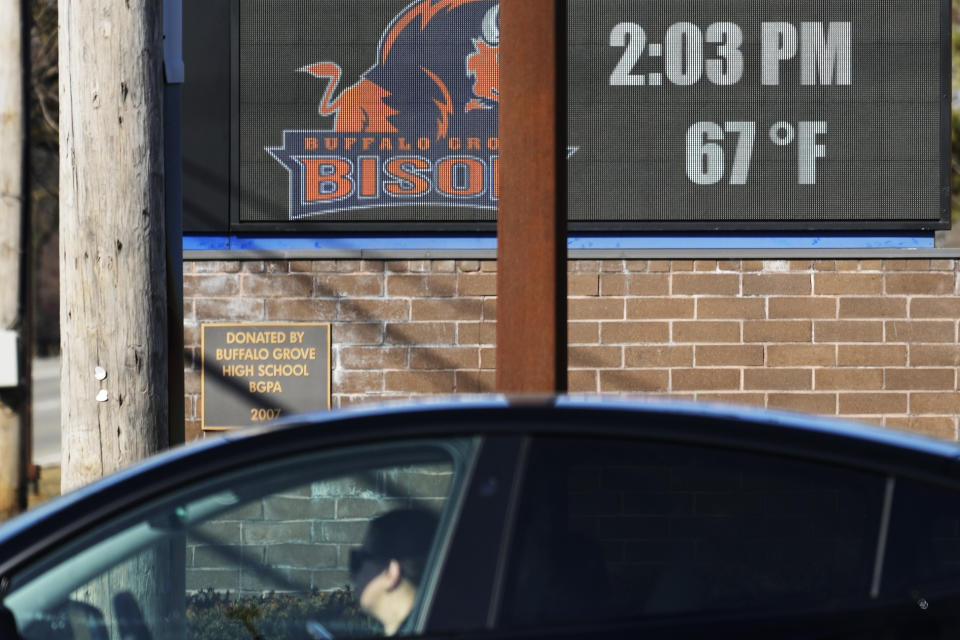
(462, 451)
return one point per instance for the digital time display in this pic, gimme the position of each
(747, 114)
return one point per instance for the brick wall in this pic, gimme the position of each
(303, 535)
(874, 340)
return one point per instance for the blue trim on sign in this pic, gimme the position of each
(646, 242)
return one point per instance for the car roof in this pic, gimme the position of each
(719, 424)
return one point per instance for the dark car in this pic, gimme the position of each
(499, 518)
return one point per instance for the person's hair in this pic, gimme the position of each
(403, 535)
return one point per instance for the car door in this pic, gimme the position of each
(627, 536)
(260, 551)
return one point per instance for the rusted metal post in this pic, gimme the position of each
(532, 217)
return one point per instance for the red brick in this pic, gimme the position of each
(357, 381)
(369, 309)
(946, 307)
(478, 284)
(922, 355)
(770, 284)
(809, 355)
(211, 286)
(373, 357)
(826, 284)
(921, 331)
(716, 284)
(595, 308)
(582, 381)
(848, 331)
(801, 308)
(872, 403)
(734, 355)
(583, 332)
(817, 403)
(634, 380)
(923, 379)
(419, 381)
(420, 333)
(703, 332)
(301, 309)
(661, 308)
(933, 403)
(885, 307)
(633, 332)
(290, 285)
(920, 283)
(735, 308)
(229, 309)
(705, 379)
(452, 309)
(848, 379)
(874, 355)
(658, 356)
(594, 357)
(936, 427)
(776, 331)
(777, 379)
(444, 358)
(475, 381)
(583, 284)
(357, 333)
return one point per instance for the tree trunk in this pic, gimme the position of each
(12, 203)
(112, 269)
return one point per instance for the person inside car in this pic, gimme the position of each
(388, 568)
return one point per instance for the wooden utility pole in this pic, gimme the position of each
(113, 313)
(532, 216)
(14, 252)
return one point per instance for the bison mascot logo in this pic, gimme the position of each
(418, 127)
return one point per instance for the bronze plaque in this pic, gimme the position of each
(253, 373)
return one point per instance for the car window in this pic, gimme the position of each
(624, 529)
(308, 547)
(922, 559)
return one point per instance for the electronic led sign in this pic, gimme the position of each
(682, 114)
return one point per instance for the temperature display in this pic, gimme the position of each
(757, 114)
